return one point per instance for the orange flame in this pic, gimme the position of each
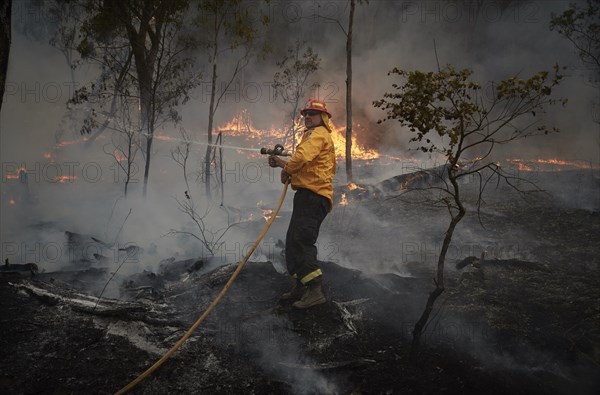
(343, 200)
(70, 142)
(267, 214)
(552, 164)
(63, 179)
(164, 137)
(119, 156)
(352, 186)
(358, 151)
(241, 125)
(16, 175)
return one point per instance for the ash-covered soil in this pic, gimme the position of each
(523, 324)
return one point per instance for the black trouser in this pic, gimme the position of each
(310, 209)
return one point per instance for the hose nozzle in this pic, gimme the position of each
(278, 150)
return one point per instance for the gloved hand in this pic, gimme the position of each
(285, 176)
(276, 161)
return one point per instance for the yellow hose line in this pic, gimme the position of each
(210, 308)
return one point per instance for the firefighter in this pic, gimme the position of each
(311, 170)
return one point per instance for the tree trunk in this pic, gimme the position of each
(439, 280)
(147, 126)
(5, 26)
(127, 181)
(220, 141)
(418, 329)
(145, 59)
(117, 91)
(349, 94)
(293, 128)
(145, 71)
(439, 289)
(211, 114)
(130, 138)
(149, 138)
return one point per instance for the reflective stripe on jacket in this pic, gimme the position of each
(313, 164)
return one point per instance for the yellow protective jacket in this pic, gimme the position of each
(313, 164)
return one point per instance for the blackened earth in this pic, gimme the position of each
(512, 326)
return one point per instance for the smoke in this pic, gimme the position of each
(282, 354)
(496, 39)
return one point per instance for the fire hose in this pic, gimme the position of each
(211, 307)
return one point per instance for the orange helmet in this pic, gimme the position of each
(314, 104)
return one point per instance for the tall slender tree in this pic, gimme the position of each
(348, 34)
(5, 19)
(291, 82)
(349, 176)
(447, 113)
(125, 142)
(581, 27)
(228, 27)
(143, 53)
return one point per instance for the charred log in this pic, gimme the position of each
(19, 268)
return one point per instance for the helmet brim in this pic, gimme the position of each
(303, 111)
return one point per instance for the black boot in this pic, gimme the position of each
(312, 296)
(295, 293)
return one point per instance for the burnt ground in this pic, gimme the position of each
(519, 326)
